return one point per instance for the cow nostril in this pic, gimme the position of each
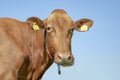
(69, 58)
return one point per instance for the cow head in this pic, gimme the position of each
(59, 30)
(59, 27)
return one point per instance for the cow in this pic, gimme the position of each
(28, 48)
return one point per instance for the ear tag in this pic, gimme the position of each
(35, 27)
(84, 28)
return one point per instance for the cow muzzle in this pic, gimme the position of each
(64, 58)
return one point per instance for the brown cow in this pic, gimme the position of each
(27, 49)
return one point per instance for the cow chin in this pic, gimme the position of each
(65, 64)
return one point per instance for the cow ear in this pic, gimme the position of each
(35, 23)
(83, 25)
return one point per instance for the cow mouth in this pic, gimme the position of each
(65, 64)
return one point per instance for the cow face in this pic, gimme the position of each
(59, 30)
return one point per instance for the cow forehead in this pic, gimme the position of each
(59, 18)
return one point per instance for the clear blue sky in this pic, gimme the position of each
(96, 52)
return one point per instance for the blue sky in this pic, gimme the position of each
(96, 52)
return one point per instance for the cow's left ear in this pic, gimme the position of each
(83, 25)
(35, 23)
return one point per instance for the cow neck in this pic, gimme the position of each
(46, 47)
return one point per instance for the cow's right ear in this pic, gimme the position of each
(83, 25)
(35, 23)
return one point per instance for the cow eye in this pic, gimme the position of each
(50, 29)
